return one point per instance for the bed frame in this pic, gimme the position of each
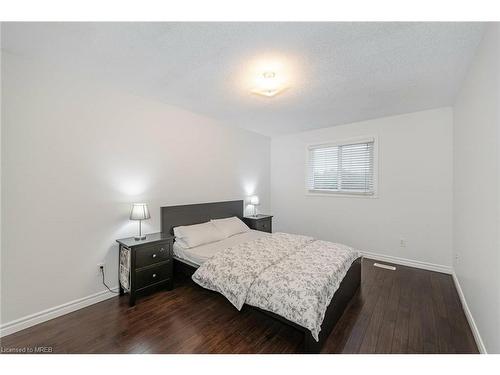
(174, 216)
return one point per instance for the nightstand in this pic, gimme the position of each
(145, 265)
(263, 223)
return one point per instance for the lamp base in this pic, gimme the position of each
(140, 236)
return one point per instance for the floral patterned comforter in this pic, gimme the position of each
(232, 271)
(290, 275)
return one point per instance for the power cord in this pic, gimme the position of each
(104, 283)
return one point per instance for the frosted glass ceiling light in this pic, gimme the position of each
(269, 84)
(269, 74)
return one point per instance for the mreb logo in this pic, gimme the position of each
(43, 349)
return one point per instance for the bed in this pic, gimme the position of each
(296, 279)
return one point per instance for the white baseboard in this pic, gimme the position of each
(53, 312)
(409, 262)
(470, 318)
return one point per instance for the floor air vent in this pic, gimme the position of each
(387, 267)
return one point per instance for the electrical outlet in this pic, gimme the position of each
(100, 267)
(402, 242)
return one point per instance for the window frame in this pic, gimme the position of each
(340, 193)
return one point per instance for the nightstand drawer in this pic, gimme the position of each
(264, 225)
(149, 255)
(153, 275)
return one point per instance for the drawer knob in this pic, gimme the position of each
(154, 275)
(162, 249)
(154, 255)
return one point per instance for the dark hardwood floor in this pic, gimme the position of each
(402, 311)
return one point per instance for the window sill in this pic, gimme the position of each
(325, 193)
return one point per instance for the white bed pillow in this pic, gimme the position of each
(189, 236)
(230, 226)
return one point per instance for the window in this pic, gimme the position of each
(346, 167)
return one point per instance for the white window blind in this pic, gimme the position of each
(342, 168)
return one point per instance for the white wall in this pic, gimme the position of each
(414, 190)
(476, 225)
(75, 155)
(1, 121)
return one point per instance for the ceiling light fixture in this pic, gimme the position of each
(269, 84)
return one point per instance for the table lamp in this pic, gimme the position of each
(254, 201)
(140, 212)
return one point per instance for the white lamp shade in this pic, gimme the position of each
(254, 200)
(139, 211)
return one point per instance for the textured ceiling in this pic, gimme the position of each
(340, 72)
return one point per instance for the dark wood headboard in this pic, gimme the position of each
(174, 216)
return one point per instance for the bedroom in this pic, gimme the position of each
(246, 187)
